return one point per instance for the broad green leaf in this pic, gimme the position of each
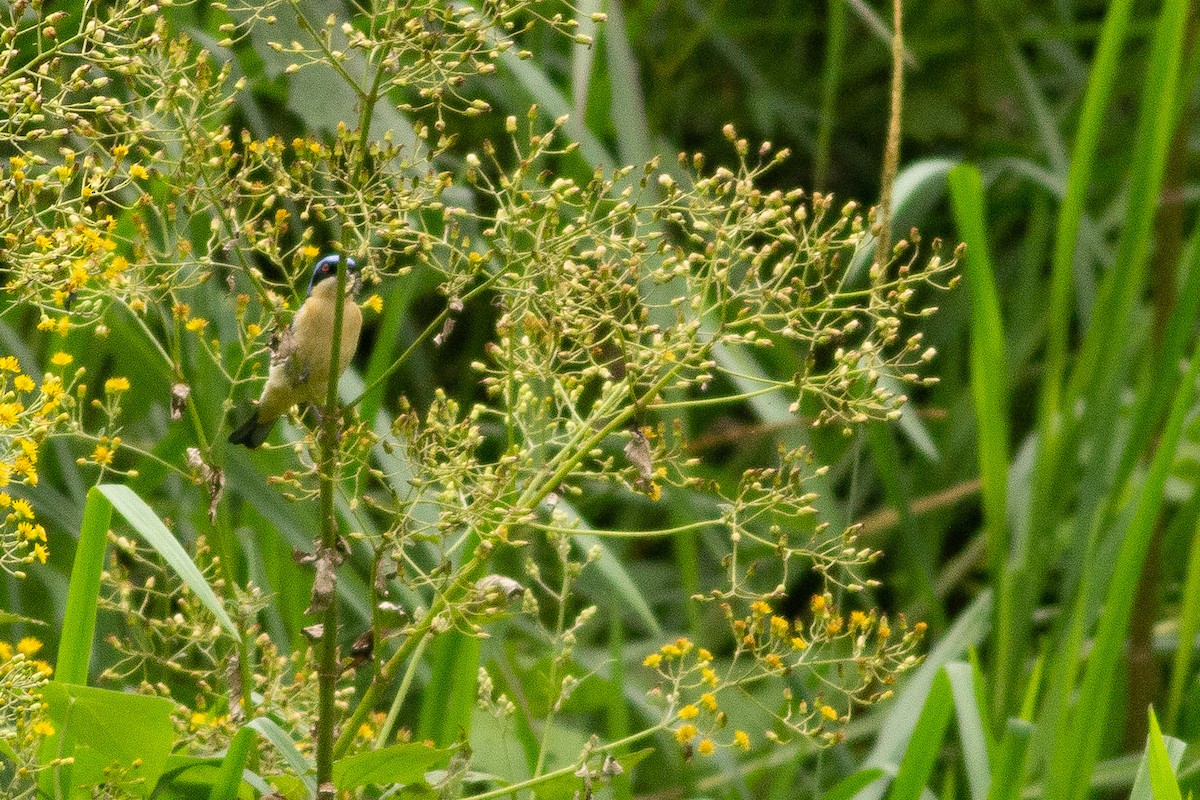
(388, 767)
(102, 730)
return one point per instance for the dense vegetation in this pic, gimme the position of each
(646, 479)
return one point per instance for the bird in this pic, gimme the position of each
(300, 359)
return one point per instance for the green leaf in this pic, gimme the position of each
(147, 524)
(450, 695)
(850, 786)
(230, 779)
(397, 765)
(101, 729)
(279, 738)
(1163, 784)
(1008, 769)
(926, 742)
(971, 734)
(79, 621)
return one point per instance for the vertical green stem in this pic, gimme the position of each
(327, 670)
(891, 153)
(830, 81)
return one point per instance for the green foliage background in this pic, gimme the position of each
(1037, 506)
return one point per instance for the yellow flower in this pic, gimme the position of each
(10, 364)
(22, 509)
(709, 700)
(798, 643)
(828, 712)
(365, 731)
(779, 626)
(374, 303)
(309, 252)
(10, 414)
(196, 324)
(653, 660)
(859, 620)
(818, 603)
(28, 646)
(710, 676)
(118, 265)
(199, 719)
(116, 385)
(61, 359)
(6, 652)
(138, 171)
(102, 455)
(52, 388)
(40, 552)
(43, 728)
(120, 150)
(760, 607)
(685, 733)
(31, 532)
(741, 739)
(688, 712)
(706, 747)
(23, 383)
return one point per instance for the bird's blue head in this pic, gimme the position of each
(327, 268)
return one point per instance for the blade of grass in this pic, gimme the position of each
(920, 756)
(988, 372)
(1189, 619)
(1076, 754)
(1007, 775)
(301, 767)
(79, 622)
(628, 109)
(229, 780)
(1091, 123)
(831, 78)
(1160, 768)
(968, 630)
(147, 524)
(971, 736)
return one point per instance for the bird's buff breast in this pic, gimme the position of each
(301, 372)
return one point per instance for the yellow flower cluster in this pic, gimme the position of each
(22, 676)
(31, 411)
(856, 655)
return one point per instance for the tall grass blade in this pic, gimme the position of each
(972, 737)
(147, 524)
(79, 622)
(920, 757)
(1076, 755)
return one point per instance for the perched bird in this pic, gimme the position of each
(300, 360)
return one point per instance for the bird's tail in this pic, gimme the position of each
(252, 431)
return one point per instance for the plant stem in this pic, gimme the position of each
(891, 154)
(328, 669)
